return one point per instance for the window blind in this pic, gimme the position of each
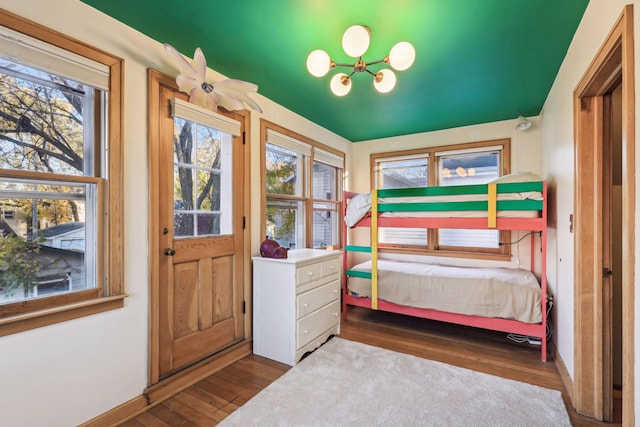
(476, 150)
(284, 141)
(194, 113)
(322, 156)
(32, 52)
(401, 158)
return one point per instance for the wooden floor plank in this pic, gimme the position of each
(215, 397)
(200, 406)
(170, 417)
(147, 419)
(132, 423)
(222, 408)
(187, 409)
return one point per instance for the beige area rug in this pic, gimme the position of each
(346, 383)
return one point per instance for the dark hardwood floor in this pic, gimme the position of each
(212, 399)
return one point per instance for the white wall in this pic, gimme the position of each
(68, 373)
(65, 374)
(525, 157)
(558, 166)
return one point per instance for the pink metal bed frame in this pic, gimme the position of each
(538, 224)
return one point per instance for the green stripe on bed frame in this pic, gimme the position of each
(455, 190)
(355, 273)
(350, 248)
(502, 205)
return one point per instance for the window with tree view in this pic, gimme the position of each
(285, 204)
(465, 164)
(303, 192)
(202, 180)
(50, 133)
(326, 221)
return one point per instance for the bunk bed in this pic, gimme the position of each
(517, 300)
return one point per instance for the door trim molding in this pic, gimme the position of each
(612, 65)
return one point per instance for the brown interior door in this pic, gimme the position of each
(200, 267)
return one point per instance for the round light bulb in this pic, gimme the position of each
(402, 56)
(318, 63)
(355, 40)
(384, 81)
(461, 172)
(340, 84)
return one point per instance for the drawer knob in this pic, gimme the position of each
(305, 305)
(335, 291)
(306, 331)
(335, 314)
(311, 273)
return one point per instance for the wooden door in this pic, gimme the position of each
(605, 208)
(613, 65)
(200, 239)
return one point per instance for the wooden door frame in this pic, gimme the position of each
(613, 65)
(157, 389)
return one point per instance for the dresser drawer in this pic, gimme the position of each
(331, 266)
(317, 322)
(312, 300)
(308, 273)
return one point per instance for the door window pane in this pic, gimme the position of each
(203, 198)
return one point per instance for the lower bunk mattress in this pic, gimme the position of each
(507, 293)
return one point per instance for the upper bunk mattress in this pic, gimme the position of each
(488, 292)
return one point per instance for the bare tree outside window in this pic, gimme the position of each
(282, 212)
(46, 125)
(199, 153)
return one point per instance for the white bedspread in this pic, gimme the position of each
(489, 292)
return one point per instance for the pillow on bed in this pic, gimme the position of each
(357, 208)
(517, 177)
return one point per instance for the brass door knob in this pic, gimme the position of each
(170, 252)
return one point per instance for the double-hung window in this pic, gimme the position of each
(463, 164)
(325, 180)
(303, 188)
(60, 178)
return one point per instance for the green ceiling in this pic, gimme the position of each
(477, 61)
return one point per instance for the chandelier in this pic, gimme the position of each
(355, 43)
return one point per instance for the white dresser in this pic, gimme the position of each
(296, 303)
